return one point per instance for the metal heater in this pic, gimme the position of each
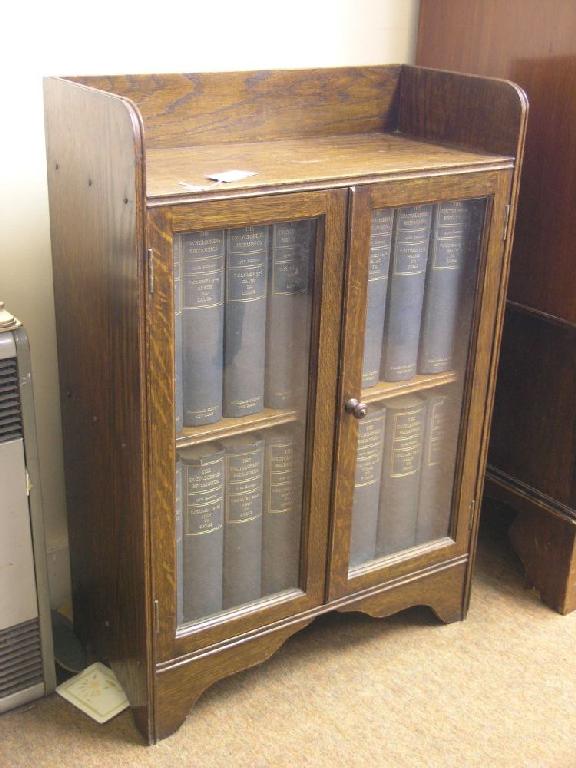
(26, 655)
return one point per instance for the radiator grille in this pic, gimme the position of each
(20, 658)
(10, 412)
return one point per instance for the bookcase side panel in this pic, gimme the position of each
(182, 110)
(95, 179)
(467, 110)
(476, 112)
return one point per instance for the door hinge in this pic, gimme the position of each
(156, 617)
(150, 265)
(29, 485)
(506, 221)
(471, 509)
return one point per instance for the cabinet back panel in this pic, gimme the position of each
(187, 109)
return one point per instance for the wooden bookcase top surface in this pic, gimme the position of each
(299, 128)
(179, 171)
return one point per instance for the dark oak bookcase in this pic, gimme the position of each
(128, 160)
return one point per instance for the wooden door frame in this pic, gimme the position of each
(330, 208)
(495, 185)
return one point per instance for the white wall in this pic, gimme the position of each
(126, 37)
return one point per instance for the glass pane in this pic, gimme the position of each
(422, 272)
(242, 346)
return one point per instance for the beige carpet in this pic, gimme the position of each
(498, 690)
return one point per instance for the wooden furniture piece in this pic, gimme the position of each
(337, 155)
(533, 445)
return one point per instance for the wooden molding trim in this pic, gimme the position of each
(516, 306)
(353, 600)
(523, 497)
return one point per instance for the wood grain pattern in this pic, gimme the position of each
(288, 162)
(95, 177)
(178, 687)
(180, 110)
(441, 590)
(463, 110)
(162, 445)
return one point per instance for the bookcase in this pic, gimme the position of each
(279, 303)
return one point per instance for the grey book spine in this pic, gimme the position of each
(448, 251)
(179, 531)
(178, 348)
(202, 325)
(203, 486)
(288, 326)
(367, 482)
(401, 474)
(468, 289)
(378, 268)
(243, 527)
(406, 293)
(438, 460)
(245, 323)
(283, 472)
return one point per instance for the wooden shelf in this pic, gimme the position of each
(228, 427)
(387, 389)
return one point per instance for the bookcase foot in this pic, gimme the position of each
(546, 546)
(179, 686)
(442, 591)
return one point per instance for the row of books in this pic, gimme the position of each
(420, 259)
(404, 475)
(242, 309)
(238, 519)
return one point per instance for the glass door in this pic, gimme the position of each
(248, 286)
(415, 379)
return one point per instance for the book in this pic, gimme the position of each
(283, 472)
(367, 480)
(406, 292)
(178, 351)
(401, 469)
(378, 268)
(204, 474)
(468, 285)
(440, 316)
(179, 535)
(243, 527)
(288, 317)
(245, 320)
(202, 325)
(438, 461)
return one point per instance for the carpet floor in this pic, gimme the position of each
(497, 690)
